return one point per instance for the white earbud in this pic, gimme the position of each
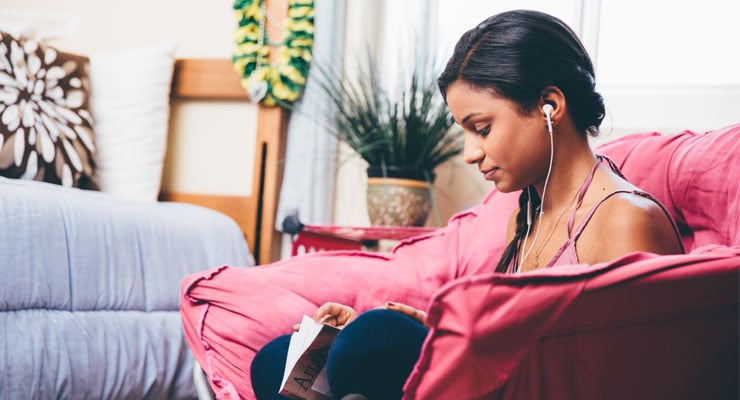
(548, 108)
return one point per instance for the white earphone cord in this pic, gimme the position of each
(542, 202)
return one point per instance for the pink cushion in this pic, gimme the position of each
(644, 326)
(694, 175)
(230, 313)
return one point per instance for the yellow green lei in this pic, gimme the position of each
(285, 79)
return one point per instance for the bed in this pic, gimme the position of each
(89, 296)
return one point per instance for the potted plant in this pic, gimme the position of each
(402, 134)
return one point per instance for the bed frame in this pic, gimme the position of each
(215, 79)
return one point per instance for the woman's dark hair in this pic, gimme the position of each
(517, 54)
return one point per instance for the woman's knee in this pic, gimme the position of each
(267, 368)
(379, 346)
(381, 324)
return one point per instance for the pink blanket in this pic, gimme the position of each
(643, 326)
(230, 313)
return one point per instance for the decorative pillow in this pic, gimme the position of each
(46, 130)
(130, 100)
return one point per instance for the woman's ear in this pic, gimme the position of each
(555, 99)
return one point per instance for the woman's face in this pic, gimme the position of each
(512, 150)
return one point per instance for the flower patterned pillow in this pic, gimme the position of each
(46, 130)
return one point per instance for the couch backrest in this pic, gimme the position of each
(694, 175)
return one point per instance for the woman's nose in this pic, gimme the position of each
(472, 152)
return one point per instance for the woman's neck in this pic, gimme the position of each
(571, 166)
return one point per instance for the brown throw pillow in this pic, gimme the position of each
(46, 130)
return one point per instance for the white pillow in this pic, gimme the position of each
(130, 105)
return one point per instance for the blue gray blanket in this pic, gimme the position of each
(89, 291)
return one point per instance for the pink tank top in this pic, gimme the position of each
(567, 254)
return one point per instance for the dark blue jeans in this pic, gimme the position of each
(372, 356)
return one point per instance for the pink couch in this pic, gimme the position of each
(230, 313)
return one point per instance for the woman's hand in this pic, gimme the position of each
(419, 315)
(334, 314)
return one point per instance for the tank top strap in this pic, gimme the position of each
(646, 195)
(581, 193)
(593, 209)
(584, 187)
(612, 165)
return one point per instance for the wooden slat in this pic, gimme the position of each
(236, 207)
(272, 129)
(272, 132)
(215, 79)
(207, 78)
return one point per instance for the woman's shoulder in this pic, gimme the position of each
(626, 222)
(627, 204)
(632, 202)
(614, 195)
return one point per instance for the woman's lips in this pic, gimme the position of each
(489, 174)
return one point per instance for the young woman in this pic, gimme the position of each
(522, 87)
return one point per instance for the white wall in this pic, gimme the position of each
(661, 65)
(210, 143)
(668, 66)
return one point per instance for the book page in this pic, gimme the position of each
(305, 372)
(299, 341)
(321, 384)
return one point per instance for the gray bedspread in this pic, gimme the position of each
(89, 291)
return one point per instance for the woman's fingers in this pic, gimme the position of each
(340, 315)
(331, 309)
(329, 319)
(419, 315)
(334, 314)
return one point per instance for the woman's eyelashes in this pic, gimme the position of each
(483, 131)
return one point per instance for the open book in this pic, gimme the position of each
(305, 366)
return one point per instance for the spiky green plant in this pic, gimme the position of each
(412, 129)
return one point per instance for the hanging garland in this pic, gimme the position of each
(281, 82)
